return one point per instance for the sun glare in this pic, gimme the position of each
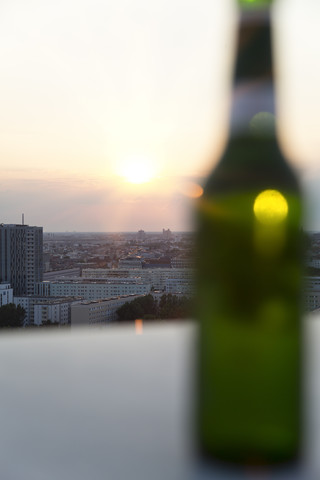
(137, 169)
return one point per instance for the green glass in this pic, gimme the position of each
(254, 4)
(249, 273)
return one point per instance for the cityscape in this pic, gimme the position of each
(84, 278)
(71, 279)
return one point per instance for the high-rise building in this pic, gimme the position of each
(21, 257)
(141, 236)
(167, 234)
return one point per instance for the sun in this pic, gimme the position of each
(136, 169)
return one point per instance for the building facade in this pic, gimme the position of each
(98, 311)
(41, 309)
(314, 262)
(156, 277)
(21, 257)
(311, 293)
(92, 290)
(130, 262)
(178, 285)
(6, 294)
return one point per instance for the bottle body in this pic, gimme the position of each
(249, 304)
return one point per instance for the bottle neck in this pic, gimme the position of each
(253, 91)
(255, 4)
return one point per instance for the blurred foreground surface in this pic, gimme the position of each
(116, 404)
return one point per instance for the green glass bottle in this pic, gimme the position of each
(249, 273)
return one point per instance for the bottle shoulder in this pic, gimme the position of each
(251, 162)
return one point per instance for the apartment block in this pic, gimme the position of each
(98, 311)
(156, 277)
(92, 290)
(6, 294)
(40, 309)
(21, 257)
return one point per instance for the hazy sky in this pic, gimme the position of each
(94, 93)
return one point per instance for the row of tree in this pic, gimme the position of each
(11, 316)
(149, 308)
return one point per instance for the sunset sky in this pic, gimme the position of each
(98, 96)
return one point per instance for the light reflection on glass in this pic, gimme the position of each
(270, 210)
(270, 207)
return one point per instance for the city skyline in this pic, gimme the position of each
(113, 112)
